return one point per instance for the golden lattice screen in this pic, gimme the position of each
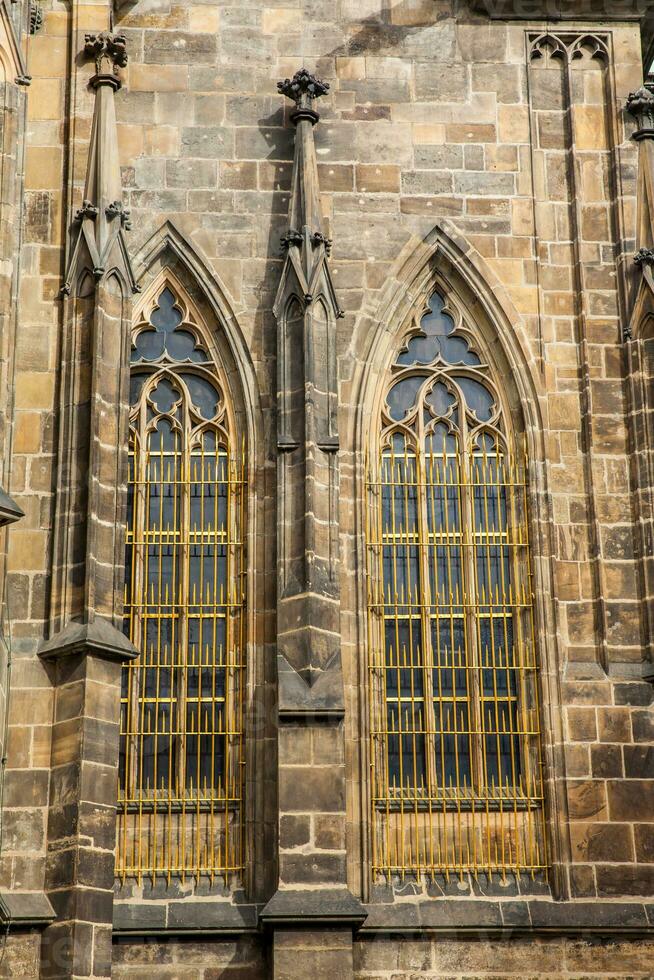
(181, 771)
(454, 719)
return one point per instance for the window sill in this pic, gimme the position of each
(457, 804)
(178, 806)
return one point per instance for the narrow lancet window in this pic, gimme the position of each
(456, 769)
(181, 771)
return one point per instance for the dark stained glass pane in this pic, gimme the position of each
(402, 396)
(436, 340)
(478, 398)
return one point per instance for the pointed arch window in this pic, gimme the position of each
(456, 770)
(181, 772)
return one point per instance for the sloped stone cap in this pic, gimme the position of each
(328, 906)
(26, 909)
(322, 699)
(9, 509)
(98, 637)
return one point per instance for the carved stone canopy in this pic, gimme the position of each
(303, 88)
(640, 105)
(109, 52)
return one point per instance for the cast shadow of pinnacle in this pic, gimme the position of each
(388, 29)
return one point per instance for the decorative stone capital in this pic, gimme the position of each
(110, 53)
(303, 88)
(640, 105)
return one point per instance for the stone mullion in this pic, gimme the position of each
(138, 587)
(426, 604)
(182, 598)
(471, 617)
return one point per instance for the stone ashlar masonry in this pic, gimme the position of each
(445, 133)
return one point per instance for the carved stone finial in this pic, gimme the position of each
(116, 210)
(87, 210)
(109, 51)
(319, 239)
(292, 237)
(303, 88)
(640, 105)
(644, 257)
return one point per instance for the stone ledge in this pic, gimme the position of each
(511, 917)
(322, 701)
(99, 638)
(184, 917)
(27, 909)
(338, 907)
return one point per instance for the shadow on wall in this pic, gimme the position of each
(391, 25)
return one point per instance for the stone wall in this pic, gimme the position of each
(445, 138)
(547, 959)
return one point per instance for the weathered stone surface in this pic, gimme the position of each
(438, 116)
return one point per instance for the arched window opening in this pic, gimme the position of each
(454, 719)
(181, 759)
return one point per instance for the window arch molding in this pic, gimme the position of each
(445, 262)
(213, 337)
(167, 258)
(168, 253)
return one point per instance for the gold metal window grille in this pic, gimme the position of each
(181, 761)
(454, 717)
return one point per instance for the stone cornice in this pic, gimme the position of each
(577, 10)
(640, 11)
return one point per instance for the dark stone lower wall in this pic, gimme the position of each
(20, 954)
(157, 958)
(468, 958)
(398, 958)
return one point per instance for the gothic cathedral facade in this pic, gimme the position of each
(327, 466)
